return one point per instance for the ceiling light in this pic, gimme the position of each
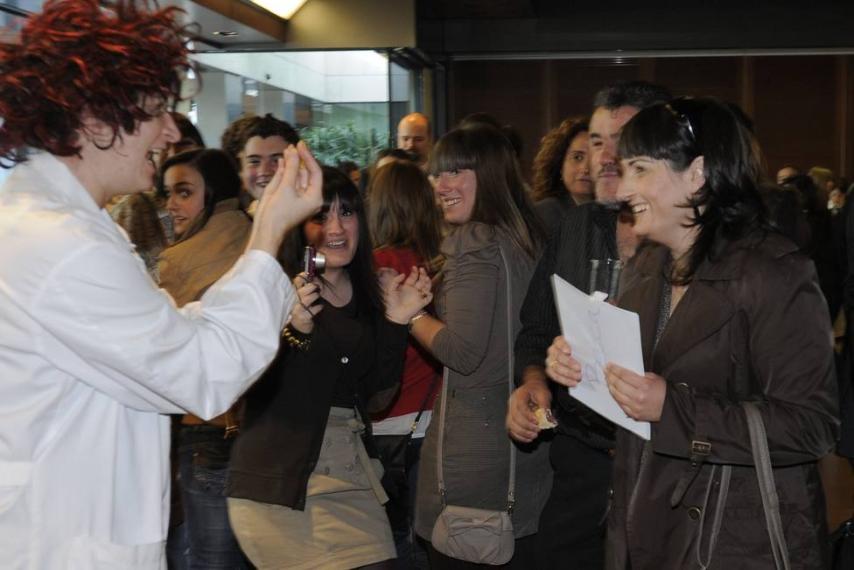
(282, 8)
(226, 33)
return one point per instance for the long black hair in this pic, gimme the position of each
(338, 186)
(729, 205)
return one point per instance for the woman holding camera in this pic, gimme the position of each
(303, 490)
(735, 315)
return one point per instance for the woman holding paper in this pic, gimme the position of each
(735, 314)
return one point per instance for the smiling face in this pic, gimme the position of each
(605, 128)
(657, 196)
(575, 171)
(258, 162)
(186, 190)
(128, 165)
(455, 193)
(335, 234)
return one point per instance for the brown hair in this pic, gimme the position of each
(549, 160)
(401, 210)
(501, 199)
(76, 60)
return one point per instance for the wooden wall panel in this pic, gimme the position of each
(796, 111)
(715, 76)
(512, 91)
(802, 106)
(579, 80)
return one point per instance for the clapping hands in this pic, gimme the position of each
(405, 295)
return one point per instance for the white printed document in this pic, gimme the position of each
(598, 333)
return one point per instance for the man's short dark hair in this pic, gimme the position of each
(234, 137)
(269, 126)
(637, 94)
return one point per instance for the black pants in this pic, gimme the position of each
(572, 525)
(400, 482)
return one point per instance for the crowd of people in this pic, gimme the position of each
(362, 366)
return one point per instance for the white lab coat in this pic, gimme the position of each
(92, 354)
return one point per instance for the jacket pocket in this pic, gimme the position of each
(14, 477)
(87, 553)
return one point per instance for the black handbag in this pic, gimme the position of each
(395, 453)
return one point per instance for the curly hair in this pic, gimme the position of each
(77, 60)
(549, 160)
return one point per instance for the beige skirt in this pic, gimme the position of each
(344, 524)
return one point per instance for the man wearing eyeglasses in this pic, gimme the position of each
(572, 529)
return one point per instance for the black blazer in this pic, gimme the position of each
(287, 409)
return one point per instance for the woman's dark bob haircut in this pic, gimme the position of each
(338, 186)
(500, 199)
(729, 205)
(220, 177)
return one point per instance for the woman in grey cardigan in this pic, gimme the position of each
(477, 184)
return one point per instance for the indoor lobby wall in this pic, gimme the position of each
(802, 106)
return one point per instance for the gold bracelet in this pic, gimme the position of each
(302, 344)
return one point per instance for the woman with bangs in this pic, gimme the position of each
(734, 315)
(303, 490)
(490, 252)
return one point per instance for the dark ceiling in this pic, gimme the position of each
(483, 27)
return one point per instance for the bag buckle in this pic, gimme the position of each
(701, 448)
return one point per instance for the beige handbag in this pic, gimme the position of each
(477, 535)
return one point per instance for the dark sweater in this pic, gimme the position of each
(587, 232)
(287, 410)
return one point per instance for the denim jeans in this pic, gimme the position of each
(203, 457)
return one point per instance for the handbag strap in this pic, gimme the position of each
(408, 437)
(767, 487)
(511, 487)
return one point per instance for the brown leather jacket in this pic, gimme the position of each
(752, 325)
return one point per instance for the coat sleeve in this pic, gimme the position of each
(790, 359)
(469, 294)
(383, 382)
(538, 315)
(110, 327)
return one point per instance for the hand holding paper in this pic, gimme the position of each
(598, 333)
(560, 365)
(641, 397)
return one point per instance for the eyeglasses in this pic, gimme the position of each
(683, 120)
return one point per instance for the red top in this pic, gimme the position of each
(420, 370)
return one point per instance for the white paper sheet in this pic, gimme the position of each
(599, 333)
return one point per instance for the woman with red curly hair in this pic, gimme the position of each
(92, 354)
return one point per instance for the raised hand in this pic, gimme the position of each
(294, 193)
(405, 295)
